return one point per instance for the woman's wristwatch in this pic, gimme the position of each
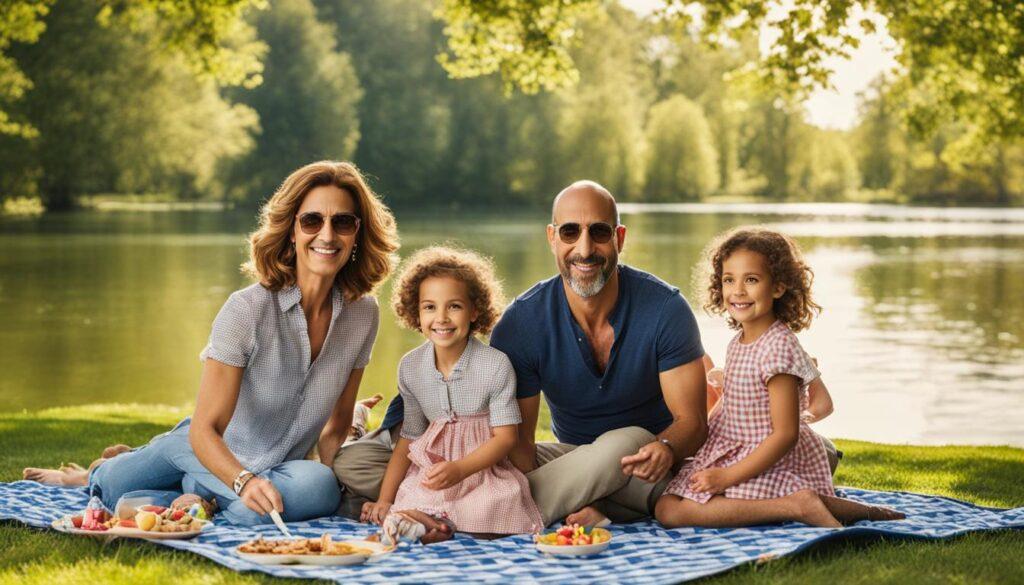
(241, 479)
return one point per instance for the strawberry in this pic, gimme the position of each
(76, 521)
(177, 514)
(564, 540)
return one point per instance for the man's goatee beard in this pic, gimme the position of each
(588, 289)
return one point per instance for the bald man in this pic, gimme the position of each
(616, 353)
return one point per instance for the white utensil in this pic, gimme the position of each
(276, 517)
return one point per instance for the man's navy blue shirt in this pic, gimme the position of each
(655, 331)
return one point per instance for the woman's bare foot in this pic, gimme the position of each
(849, 511)
(812, 511)
(60, 477)
(586, 516)
(114, 451)
(361, 415)
(71, 467)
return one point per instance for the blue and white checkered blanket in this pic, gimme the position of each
(640, 553)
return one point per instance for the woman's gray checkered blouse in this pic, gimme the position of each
(481, 381)
(284, 401)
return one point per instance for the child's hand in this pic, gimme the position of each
(443, 475)
(713, 480)
(375, 512)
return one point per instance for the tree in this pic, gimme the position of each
(306, 103)
(682, 161)
(601, 129)
(962, 59)
(208, 34)
(116, 113)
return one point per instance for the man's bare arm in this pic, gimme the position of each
(524, 455)
(685, 391)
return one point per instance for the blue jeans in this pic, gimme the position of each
(167, 467)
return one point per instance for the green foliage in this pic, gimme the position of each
(962, 59)
(116, 114)
(306, 103)
(601, 131)
(208, 35)
(682, 162)
(526, 41)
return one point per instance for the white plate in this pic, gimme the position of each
(125, 532)
(331, 560)
(582, 550)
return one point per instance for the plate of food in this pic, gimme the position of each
(573, 541)
(310, 551)
(150, 522)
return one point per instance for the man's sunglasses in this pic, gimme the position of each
(600, 232)
(344, 224)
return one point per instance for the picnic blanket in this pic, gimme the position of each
(641, 552)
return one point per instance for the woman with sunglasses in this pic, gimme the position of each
(283, 364)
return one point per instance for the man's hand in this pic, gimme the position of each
(261, 496)
(713, 480)
(375, 512)
(443, 475)
(651, 463)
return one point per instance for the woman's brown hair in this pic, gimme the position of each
(272, 256)
(785, 264)
(476, 271)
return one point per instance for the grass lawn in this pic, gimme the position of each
(992, 476)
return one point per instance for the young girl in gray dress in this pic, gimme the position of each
(450, 469)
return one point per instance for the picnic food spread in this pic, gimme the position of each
(573, 535)
(155, 519)
(302, 546)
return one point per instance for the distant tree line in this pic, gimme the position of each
(654, 113)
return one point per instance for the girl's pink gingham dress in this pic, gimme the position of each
(743, 421)
(460, 410)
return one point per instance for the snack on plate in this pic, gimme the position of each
(302, 546)
(161, 519)
(573, 535)
(95, 516)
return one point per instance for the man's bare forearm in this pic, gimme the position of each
(686, 435)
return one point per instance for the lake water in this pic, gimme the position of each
(921, 340)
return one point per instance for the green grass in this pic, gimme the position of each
(992, 476)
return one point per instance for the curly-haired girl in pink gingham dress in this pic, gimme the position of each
(450, 469)
(760, 463)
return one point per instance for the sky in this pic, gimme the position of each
(835, 108)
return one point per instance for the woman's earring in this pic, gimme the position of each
(353, 259)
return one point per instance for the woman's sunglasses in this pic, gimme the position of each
(344, 224)
(600, 232)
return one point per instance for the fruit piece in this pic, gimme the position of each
(153, 509)
(563, 540)
(177, 514)
(584, 539)
(146, 520)
(76, 521)
(127, 523)
(564, 531)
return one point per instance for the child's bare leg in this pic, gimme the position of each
(848, 511)
(586, 516)
(721, 512)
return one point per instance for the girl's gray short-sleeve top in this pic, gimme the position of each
(284, 401)
(482, 381)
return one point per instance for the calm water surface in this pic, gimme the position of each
(921, 341)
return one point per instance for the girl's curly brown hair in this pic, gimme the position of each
(476, 271)
(785, 264)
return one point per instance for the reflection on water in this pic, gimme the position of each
(921, 341)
